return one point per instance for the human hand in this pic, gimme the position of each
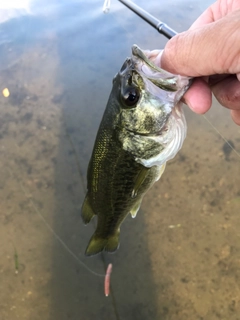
(210, 52)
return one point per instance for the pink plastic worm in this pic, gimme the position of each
(107, 280)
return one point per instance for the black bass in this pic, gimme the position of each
(143, 126)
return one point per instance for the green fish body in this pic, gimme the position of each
(143, 126)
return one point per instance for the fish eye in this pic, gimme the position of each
(131, 96)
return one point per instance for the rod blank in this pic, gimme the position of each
(154, 22)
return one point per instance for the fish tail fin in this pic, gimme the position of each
(87, 211)
(98, 244)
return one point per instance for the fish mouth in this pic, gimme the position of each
(127, 65)
(160, 132)
(159, 77)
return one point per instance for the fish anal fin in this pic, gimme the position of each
(98, 244)
(135, 208)
(87, 211)
(139, 180)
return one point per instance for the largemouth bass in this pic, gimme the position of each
(142, 128)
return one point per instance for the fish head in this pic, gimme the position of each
(149, 105)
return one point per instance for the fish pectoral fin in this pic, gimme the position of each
(143, 173)
(98, 244)
(87, 211)
(135, 208)
(162, 168)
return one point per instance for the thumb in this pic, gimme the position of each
(210, 49)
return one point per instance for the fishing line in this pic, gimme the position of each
(229, 144)
(57, 236)
(80, 174)
(27, 194)
(107, 284)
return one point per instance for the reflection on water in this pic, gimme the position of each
(180, 258)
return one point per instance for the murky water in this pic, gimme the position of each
(180, 258)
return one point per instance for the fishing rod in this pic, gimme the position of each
(161, 27)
